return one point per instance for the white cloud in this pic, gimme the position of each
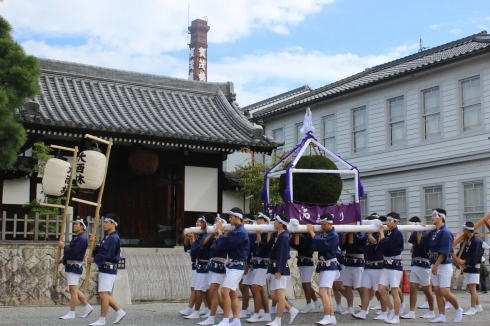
(264, 74)
(435, 26)
(456, 31)
(153, 26)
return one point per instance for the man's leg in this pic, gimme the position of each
(73, 297)
(395, 293)
(413, 295)
(104, 303)
(235, 304)
(474, 295)
(257, 295)
(225, 297)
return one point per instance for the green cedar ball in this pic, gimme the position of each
(19, 75)
(314, 188)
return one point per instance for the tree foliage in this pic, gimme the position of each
(19, 75)
(314, 188)
(251, 180)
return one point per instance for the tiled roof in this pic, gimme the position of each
(446, 53)
(277, 98)
(94, 99)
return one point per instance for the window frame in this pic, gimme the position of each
(464, 213)
(392, 123)
(279, 149)
(426, 115)
(426, 215)
(324, 137)
(404, 216)
(355, 132)
(462, 106)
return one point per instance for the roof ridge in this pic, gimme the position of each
(276, 97)
(367, 71)
(126, 76)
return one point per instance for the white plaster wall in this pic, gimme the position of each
(16, 191)
(232, 199)
(201, 189)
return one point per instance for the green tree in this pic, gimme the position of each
(251, 181)
(19, 75)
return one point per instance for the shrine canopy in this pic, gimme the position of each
(350, 213)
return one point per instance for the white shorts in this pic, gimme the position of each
(471, 278)
(420, 275)
(73, 278)
(305, 273)
(202, 282)
(193, 278)
(370, 278)
(232, 278)
(217, 278)
(247, 278)
(106, 282)
(352, 276)
(443, 277)
(276, 284)
(259, 276)
(326, 278)
(390, 278)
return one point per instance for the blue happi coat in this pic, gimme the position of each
(74, 253)
(279, 255)
(472, 254)
(108, 253)
(327, 245)
(305, 250)
(237, 244)
(392, 246)
(440, 242)
(201, 252)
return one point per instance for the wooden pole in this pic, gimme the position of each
(65, 209)
(91, 248)
(483, 221)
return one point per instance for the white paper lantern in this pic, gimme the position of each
(91, 167)
(56, 177)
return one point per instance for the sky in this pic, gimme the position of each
(265, 47)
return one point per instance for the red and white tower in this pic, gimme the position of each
(198, 56)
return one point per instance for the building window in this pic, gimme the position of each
(471, 103)
(298, 134)
(433, 199)
(432, 112)
(359, 130)
(396, 113)
(364, 206)
(278, 136)
(473, 201)
(398, 204)
(328, 131)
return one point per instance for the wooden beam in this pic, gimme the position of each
(68, 149)
(100, 140)
(91, 203)
(52, 205)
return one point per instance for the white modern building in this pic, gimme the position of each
(418, 129)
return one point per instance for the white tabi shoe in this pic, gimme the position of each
(243, 314)
(254, 319)
(275, 322)
(447, 305)
(235, 322)
(186, 311)
(120, 314)
(293, 312)
(324, 321)
(318, 306)
(361, 315)
(307, 308)
(205, 313)
(458, 315)
(98, 322)
(402, 308)
(393, 320)
(273, 310)
(333, 320)
(338, 309)
(439, 319)
(382, 316)
(470, 312)
(88, 311)
(408, 315)
(348, 311)
(194, 315)
(429, 315)
(265, 318)
(478, 308)
(69, 315)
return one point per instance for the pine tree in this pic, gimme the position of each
(19, 75)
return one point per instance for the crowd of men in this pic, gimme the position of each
(371, 263)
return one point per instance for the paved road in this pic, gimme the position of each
(166, 314)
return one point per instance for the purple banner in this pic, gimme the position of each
(343, 214)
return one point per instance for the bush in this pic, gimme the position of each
(314, 188)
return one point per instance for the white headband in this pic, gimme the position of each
(240, 215)
(470, 228)
(265, 217)
(81, 222)
(320, 220)
(201, 218)
(434, 212)
(414, 223)
(221, 220)
(281, 220)
(388, 218)
(108, 219)
(250, 220)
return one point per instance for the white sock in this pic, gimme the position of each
(102, 319)
(227, 319)
(71, 313)
(261, 312)
(278, 319)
